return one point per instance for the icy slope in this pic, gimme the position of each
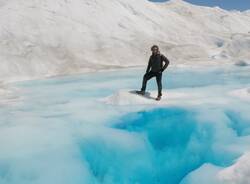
(43, 38)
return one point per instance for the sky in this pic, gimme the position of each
(225, 4)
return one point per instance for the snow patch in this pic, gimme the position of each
(243, 94)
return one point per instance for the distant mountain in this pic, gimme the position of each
(43, 37)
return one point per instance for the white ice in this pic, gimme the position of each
(243, 94)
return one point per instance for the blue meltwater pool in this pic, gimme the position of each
(61, 131)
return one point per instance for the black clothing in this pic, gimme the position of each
(148, 76)
(155, 63)
(155, 69)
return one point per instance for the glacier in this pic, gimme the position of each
(70, 129)
(47, 38)
(68, 114)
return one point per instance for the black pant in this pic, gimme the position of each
(148, 76)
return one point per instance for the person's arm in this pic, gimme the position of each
(149, 65)
(166, 61)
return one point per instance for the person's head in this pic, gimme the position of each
(155, 49)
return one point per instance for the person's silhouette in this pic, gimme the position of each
(155, 69)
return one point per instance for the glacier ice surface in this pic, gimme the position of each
(61, 131)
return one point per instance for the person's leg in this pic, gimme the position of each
(146, 77)
(159, 83)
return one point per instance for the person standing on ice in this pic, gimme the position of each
(155, 69)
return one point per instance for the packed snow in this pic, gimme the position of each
(46, 38)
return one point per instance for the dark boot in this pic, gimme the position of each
(158, 98)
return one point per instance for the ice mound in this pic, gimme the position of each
(170, 97)
(238, 173)
(129, 97)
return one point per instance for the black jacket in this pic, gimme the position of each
(155, 63)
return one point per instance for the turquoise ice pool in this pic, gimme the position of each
(60, 131)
